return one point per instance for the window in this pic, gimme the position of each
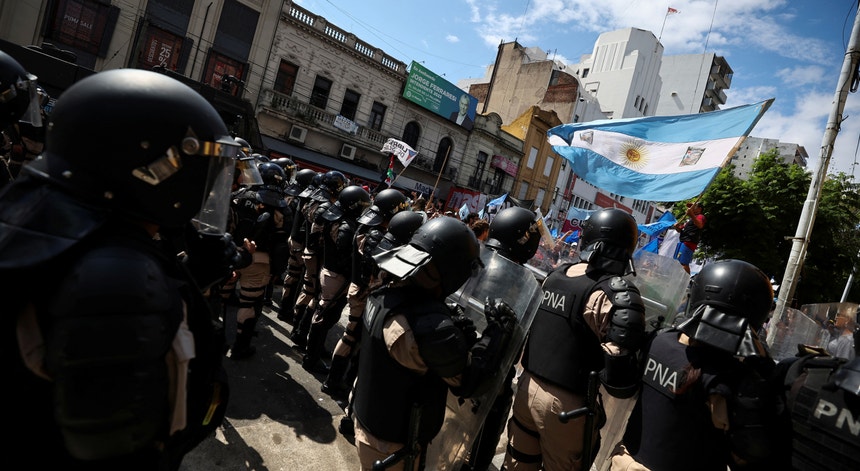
(285, 81)
(547, 168)
(319, 95)
(524, 189)
(377, 114)
(350, 104)
(532, 157)
(540, 196)
(479, 164)
(585, 72)
(636, 102)
(442, 154)
(411, 132)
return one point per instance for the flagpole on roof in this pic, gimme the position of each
(800, 241)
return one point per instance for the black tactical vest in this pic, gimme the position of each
(386, 391)
(574, 349)
(826, 419)
(674, 431)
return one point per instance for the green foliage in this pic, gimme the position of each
(756, 219)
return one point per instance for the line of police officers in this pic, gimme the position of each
(116, 358)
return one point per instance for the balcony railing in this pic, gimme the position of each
(313, 116)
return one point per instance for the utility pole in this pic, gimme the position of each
(800, 241)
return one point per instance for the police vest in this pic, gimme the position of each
(561, 348)
(337, 247)
(386, 391)
(674, 431)
(826, 419)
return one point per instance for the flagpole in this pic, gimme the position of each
(800, 241)
(663, 26)
(440, 172)
(396, 177)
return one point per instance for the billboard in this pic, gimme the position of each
(432, 92)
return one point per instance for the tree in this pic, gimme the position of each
(756, 219)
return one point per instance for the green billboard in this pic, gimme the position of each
(440, 96)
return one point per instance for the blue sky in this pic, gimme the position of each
(790, 50)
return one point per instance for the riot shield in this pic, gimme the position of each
(517, 286)
(662, 283)
(807, 326)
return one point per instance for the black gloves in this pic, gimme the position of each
(464, 323)
(500, 314)
(210, 258)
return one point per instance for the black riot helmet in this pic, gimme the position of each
(289, 167)
(351, 202)
(19, 94)
(244, 147)
(386, 204)
(401, 227)
(335, 181)
(515, 233)
(165, 153)
(608, 240)
(315, 183)
(729, 300)
(442, 254)
(303, 179)
(273, 175)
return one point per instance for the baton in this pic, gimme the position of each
(410, 451)
(590, 412)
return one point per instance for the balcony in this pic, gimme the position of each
(287, 106)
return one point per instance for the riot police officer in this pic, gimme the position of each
(372, 227)
(824, 400)
(114, 358)
(329, 187)
(338, 235)
(261, 218)
(295, 265)
(710, 398)
(19, 102)
(590, 319)
(514, 234)
(411, 350)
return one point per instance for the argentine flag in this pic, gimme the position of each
(656, 158)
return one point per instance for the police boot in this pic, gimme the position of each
(286, 307)
(301, 326)
(313, 355)
(333, 384)
(242, 348)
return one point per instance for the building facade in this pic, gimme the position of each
(693, 83)
(752, 147)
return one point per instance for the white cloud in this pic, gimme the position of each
(801, 75)
(452, 38)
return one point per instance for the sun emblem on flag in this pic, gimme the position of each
(635, 154)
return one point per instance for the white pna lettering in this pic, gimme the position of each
(661, 375)
(554, 300)
(843, 416)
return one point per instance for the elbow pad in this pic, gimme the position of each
(627, 324)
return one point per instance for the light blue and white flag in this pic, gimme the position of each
(496, 205)
(656, 158)
(666, 221)
(463, 212)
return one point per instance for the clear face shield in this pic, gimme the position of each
(33, 114)
(212, 218)
(247, 173)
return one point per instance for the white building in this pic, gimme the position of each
(693, 83)
(752, 147)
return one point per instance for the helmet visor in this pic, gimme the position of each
(33, 115)
(212, 218)
(247, 172)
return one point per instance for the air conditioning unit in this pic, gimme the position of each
(298, 134)
(347, 152)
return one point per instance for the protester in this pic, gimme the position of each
(710, 397)
(690, 234)
(115, 363)
(590, 319)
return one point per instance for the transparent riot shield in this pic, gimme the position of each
(807, 326)
(662, 283)
(518, 287)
